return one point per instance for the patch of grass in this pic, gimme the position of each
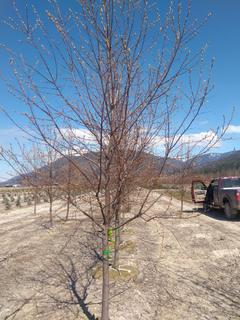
(128, 231)
(124, 273)
(162, 186)
(128, 246)
(177, 194)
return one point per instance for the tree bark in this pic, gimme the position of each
(116, 243)
(182, 192)
(68, 207)
(105, 273)
(35, 202)
(50, 190)
(68, 187)
(50, 208)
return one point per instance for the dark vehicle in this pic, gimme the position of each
(221, 193)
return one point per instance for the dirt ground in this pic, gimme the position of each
(185, 268)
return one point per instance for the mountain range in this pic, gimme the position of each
(222, 164)
(210, 163)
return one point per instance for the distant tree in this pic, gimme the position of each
(7, 203)
(25, 162)
(35, 167)
(48, 174)
(18, 201)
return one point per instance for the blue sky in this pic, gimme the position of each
(222, 35)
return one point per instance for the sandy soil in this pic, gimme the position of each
(187, 268)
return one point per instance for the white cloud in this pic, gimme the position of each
(82, 133)
(199, 139)
(81, 140)
(233, 129)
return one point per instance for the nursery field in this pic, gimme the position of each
(180, 266)
(11, 198)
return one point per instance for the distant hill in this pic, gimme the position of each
(211, 158)
(57, 165)
(12, 181)
(148, 161)
(220, 163)
(207, 158)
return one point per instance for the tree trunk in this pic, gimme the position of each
(116, 243)
(105, 273)
(68, 187)
(50, 207)
(51, 191)
(68, 207)
(35, 202)
(182, 192)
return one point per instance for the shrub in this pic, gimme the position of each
(7, 204)
(18, 202)
(25, 197)
(29, 201)
(3, 198)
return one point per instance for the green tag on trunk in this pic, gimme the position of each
(106, 252)
(110, 233)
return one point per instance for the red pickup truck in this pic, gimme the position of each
(222, 192)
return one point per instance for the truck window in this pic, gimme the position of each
(199, 186)
(231, 182)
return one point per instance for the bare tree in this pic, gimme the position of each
(47, 177)
(35, 167)
(25, 162)
(69, 182)
(119, 77)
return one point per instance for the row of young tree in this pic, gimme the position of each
(107, 81)
(11, 199)
(41, 172)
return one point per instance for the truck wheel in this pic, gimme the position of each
(230, 213)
